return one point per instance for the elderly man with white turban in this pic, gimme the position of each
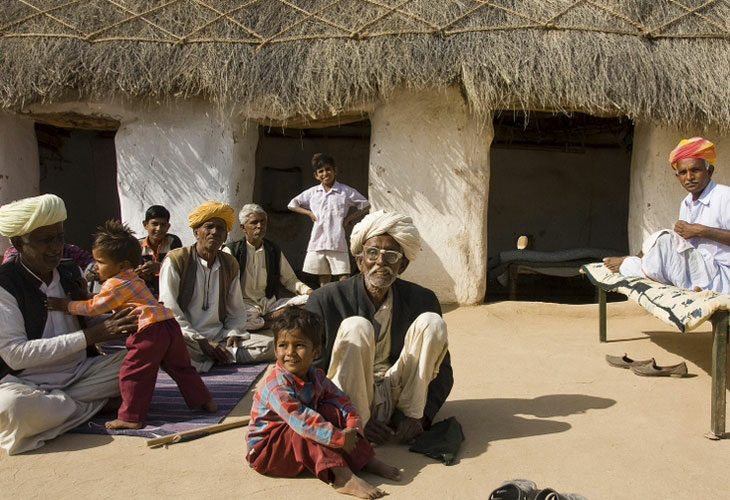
(385, 342)
(201, 284)
(48, 382)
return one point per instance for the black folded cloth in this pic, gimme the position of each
(441, 441)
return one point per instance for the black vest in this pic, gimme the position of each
(22, 285)
(272, 254)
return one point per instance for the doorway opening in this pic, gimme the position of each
(283, 170)
(80, 166)
(563, 182)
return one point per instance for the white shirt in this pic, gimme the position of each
(195, 322)
(254, 278)
(330, 208)
(711, 209)
(52, 360)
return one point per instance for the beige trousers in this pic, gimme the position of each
(30, 416)
(259, 347)
(405, 384)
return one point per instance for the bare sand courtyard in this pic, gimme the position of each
(536, 400)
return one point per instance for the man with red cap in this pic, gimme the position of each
(696, 253)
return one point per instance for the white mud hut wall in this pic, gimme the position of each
(429, 158)
(19, 173)
(656, 193)
(179, 156)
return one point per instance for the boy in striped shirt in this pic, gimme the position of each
(158, 341)
(301, 420)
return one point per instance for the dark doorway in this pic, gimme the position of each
(562, 180)
(283, 170)
(80, 166)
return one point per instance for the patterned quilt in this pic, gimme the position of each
(680, 307)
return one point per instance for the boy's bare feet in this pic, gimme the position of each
(122, 424)
(382, 469)
(348, 483)
(210, 406)
(613, 263)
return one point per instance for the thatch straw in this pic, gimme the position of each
(666, 61)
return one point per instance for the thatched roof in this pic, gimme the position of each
(662, 60)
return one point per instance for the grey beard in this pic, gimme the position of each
(380, 281)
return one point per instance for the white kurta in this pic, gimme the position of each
(253, 285)
(58, 387)
(200, 320)
(696, 262)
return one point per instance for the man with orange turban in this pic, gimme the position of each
(201, 285)
(696, 253)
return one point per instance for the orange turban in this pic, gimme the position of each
(696, 147)
(211, 209)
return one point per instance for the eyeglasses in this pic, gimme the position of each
(390, 256)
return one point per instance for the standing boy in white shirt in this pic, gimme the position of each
(328, 205)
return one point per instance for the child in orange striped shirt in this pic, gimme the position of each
(158, 341)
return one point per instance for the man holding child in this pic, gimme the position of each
(48, 382)
(385, 343)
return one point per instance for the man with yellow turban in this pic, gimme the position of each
(385, 343)
(48, 382)
(696, 253)
(201, 285)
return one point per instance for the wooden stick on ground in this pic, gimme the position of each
(200, 432)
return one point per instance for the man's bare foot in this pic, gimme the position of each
(348, 483)
(613, 263)
(122, 424)
(382, 469)
(210, 406)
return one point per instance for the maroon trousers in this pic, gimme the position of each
(159, 345)
(284, 453)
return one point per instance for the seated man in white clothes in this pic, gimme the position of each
(385, 342)
(200, 283)
(48, 383)
(696, 254)
(263, 268)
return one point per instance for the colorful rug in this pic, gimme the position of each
(169, 413)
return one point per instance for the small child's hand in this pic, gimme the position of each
(312, 216)
(351, 438)
(57, 304)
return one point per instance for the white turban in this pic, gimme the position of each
(23, 216)
(398, 226)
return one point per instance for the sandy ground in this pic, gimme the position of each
(533, 393)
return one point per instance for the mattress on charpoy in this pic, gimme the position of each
(685, 309)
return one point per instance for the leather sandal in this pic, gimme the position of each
(652, 370)
(625, 361)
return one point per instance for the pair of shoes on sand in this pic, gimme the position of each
(647, 367)
(522, 489)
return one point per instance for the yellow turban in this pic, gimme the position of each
(696, 147)
(23, 216)
(211, 209)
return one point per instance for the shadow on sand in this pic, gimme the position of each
(487, 420)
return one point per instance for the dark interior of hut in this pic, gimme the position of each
(79, 165)
(562, 181)
(283, 170)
